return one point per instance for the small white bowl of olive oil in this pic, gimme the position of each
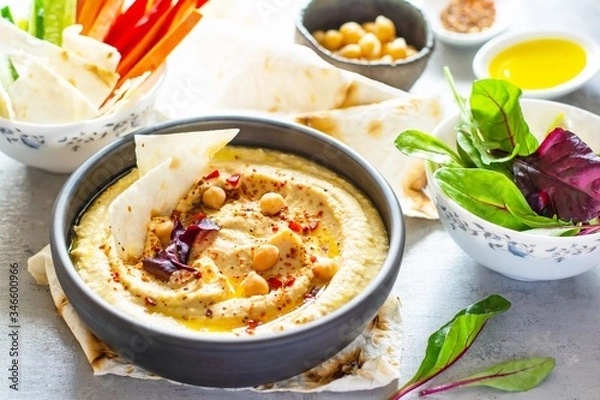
(544, 64)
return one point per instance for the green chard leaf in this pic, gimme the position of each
(492, 196)
(511, 376)
(496, 111)
(452, 340)
(418, 144)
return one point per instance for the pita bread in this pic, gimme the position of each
(94, 82)
(258, 74)
(371, 361)
(6, 108)
(101, 54)
(168, 166)
(372, 129)
(37, 91)
(127, 93)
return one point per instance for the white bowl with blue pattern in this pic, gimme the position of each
(61, 148)
(521, 255)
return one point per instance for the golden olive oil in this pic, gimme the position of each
(539, 63)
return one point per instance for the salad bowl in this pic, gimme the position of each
(523, 255)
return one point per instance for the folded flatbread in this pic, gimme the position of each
(6, 109)
(371, 361)
(94, 82)
(372, 129)
(168, 166)
(103, 55)
(42, 96)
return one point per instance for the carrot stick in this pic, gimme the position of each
(80, 4)
(186, 7)
(132, 55)
(157, 55)
(105, 19)
(88, 14)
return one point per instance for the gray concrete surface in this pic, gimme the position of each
(559, 319)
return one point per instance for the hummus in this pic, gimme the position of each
(281, 242)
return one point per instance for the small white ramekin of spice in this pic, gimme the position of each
(469, 22)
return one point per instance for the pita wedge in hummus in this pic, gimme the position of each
(227, 240)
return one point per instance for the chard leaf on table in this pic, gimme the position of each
(418, 144)
(511, 376)
(561, 178)
(492, 196)
(452, 340)
(497, 114)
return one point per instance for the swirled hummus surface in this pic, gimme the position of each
(278, 241)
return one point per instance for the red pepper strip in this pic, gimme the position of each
(132, 54)
(126, 20)
(200, 3)
(137, 32)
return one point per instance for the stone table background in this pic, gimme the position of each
(559, 318)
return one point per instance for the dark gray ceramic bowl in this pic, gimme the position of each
(226, 362)
(410, 22)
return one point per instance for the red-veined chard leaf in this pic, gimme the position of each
(492, 196)
(511, 376)
(496, 112)
(561, 178)
(418, 144)
(452, 340)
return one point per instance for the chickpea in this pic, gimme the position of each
(265, 257)
(324, 268)
(386, 58)
(352, 50)
(352, 32)
(271, 203)
(384, 29)
(214, 197)
(370, 46)
(369, 27)
(255, 284)
(163, 231)
(411, 51)
(396, 49)
(333, 40)
(319, 36)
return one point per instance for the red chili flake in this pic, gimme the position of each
(296, 227)
(234, 180)
(212, 175)
(199, 217)
(290, 281)
(115, 276)
(252, 326)
(313, 258)
(275, 283)
(150, 301)
(275, 228)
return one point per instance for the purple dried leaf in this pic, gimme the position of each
(175, 256)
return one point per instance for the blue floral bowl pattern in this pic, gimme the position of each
(521, 255)
(62, 148)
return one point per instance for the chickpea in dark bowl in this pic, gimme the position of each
(389, 41)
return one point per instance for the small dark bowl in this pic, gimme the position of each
(226, 362)
(410, 22)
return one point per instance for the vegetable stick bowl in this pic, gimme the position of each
(530, 254)
(101, 62)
